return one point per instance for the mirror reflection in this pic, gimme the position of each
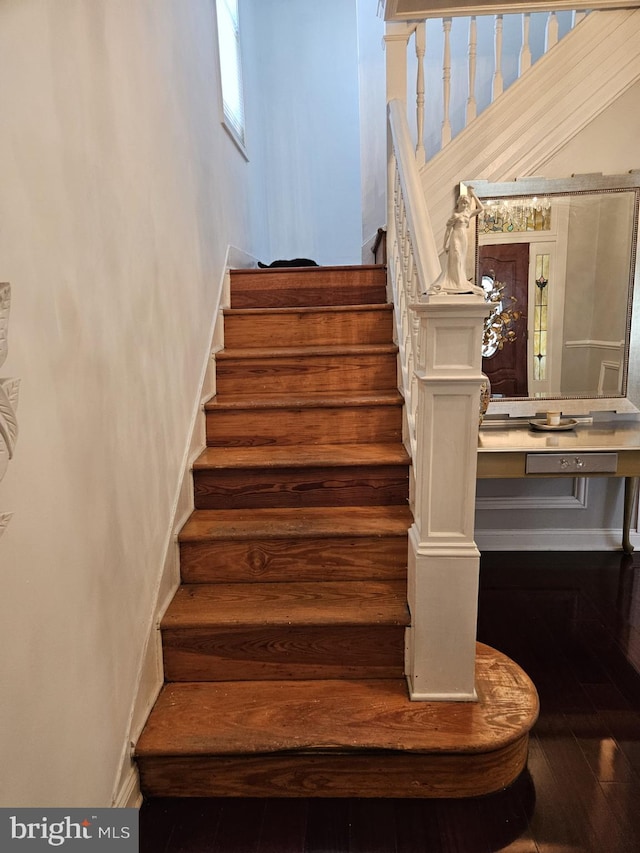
(559, 269)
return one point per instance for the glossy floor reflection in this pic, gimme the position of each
(572, 621)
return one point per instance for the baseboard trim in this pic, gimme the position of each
(129, 795)
(567, 539)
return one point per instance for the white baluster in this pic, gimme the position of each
(551, 37)
(525, 51)
(472, 108)
(446, 81)
(498, 82)
(421, 43)
(577, 17)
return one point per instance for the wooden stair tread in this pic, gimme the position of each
(279, 523)
(298, 603)
(300, 456)
(315, 351)
(244, 718)
(319, 399)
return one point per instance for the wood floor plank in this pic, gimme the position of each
(417, 826)
(623, 799)
(372, 826)
(284, 826)
(327, 826)
(239, 826)
(194, 827)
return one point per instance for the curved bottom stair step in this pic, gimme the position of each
(360, 738)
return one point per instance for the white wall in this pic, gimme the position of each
(373, 123)
(303, 127)
(120, 194)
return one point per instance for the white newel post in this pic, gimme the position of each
(444, 561)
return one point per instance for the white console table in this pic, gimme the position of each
(590, 449)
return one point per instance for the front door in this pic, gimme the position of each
(506, 368)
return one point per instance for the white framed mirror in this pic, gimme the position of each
(559, 260)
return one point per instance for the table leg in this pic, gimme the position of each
(630, 495)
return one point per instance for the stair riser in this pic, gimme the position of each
(340, 425)
(283, 652)
(326, 286)
(308, 329)
(346, 774)
(367, 372)
(281, 560)
(301, 487)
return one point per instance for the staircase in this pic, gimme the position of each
(284, 645)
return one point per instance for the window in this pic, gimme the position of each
(231, 68)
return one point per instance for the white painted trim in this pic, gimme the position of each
(614, 367)
(594, 344)
(577, 500)
(401, 10)
(150, 672)
(415, 696)
(129, 795)
(559, 539)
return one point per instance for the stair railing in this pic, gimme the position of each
(439, 337)
(458, 102)
(412, 257)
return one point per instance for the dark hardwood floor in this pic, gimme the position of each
(572, 621)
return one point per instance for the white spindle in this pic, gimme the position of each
(498, 82)
(446, 81)
(421, 38)
(577, 17)
(525, 51)
(552, 31)
(472, 108)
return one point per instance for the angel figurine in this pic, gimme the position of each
(453, 278)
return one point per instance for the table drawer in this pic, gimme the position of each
(574, 464)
